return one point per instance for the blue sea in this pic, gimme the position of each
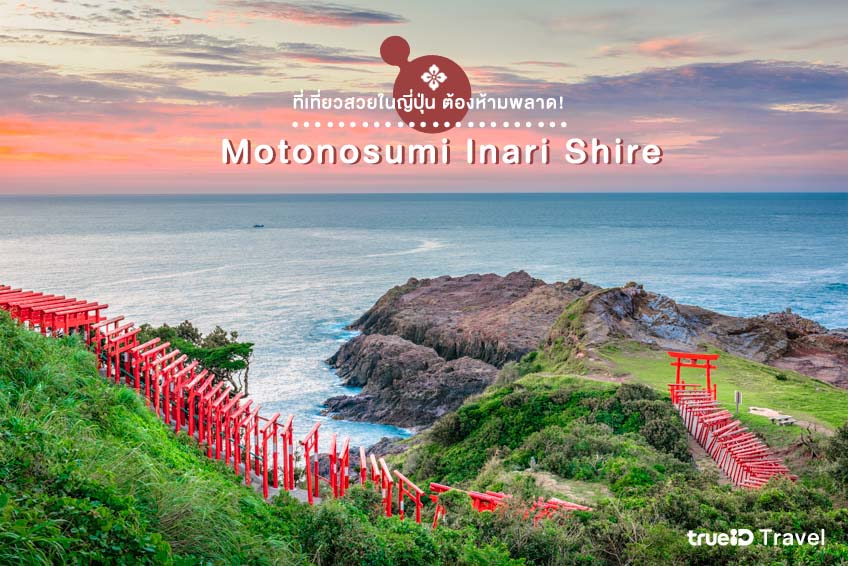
(320, 261)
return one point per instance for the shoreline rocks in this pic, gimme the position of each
(488, 317)
(403, 384)
(429, 344)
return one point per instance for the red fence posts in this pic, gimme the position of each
(386, 483)
(437, 489)
(333, 468)
(746, 460)
(408, 489)
(344, 468)
(227, 417)
(690, 360)
(269, 431)
(310, 446)
(287, 437)
(203, 380)
(215, 406)
(251, 424)
(363, 467)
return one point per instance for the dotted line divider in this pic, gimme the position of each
(389, 124)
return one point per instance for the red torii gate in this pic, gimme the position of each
(692, 361)
(406, 488)
(287, 438)
(746, 460)
(310, 448)
(542, 509)
(270, 432)
(213, 413)
(116, 343)
(97, 335)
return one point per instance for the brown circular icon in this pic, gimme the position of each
(430, 89)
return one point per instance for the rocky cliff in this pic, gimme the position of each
(403, 383)
(429, 344)
(783, 340)
(487, 317)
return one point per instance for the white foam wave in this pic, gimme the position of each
(425, 246)
(166, 275)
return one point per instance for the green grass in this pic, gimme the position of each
(762, 386)
(625, 437)
(89, 475)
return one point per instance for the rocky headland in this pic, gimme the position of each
(429, 344)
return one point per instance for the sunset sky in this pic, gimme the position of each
(130, 97)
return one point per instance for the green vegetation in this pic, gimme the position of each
(625, 436)
(761, 386)
(88, 474)
(557, 356)
(543, 435)
(220, 352)
(544, 430)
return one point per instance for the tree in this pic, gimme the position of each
(837, 452)
(219, 352)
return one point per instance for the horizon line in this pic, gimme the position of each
(419, 193)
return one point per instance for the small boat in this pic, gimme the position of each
(258, 225)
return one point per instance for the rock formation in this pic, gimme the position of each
(429, 344)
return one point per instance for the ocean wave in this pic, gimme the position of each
(166, 275)
(425, 246)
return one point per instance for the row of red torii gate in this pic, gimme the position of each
(225, 423)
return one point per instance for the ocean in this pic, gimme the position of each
(321, 260)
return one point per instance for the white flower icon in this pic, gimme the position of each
(434, 77)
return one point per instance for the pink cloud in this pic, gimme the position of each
(683, 47)
(316, 13)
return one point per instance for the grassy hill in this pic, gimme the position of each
(621, 449)
(88, 474)
(761, 385)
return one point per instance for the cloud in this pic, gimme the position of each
(142, 14)
(315, 53)
(727, 86)
(212, 53)
(218, 69)
(659, 120)
(552, 64)
(821, 43)
(114, 15)
(682, 47)
(39, 90)
(800, 107)
(316, 13)
(601, 22)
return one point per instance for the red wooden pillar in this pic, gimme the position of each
(333, 471)
(387, 484)
(215, 419)
(310, 445)
(269, 431)
(407, 488)
(344, 466)
(194, 400)
(363, 467)
(288, 453)
(251, 424)
(232, 411)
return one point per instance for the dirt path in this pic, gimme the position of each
(703, 461)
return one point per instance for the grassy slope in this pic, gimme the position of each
(614, 448)
(87, 473)
(761, 385)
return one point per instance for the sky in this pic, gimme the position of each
(98, 96)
